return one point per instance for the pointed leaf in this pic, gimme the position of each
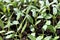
(30, 19)
(38, 22)
(24, 27)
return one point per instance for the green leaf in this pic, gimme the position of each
(32, 28)
(54, 9)
(9, 32)
(15, 22)
(55, 38)
(47, 38)
(24, 27)
(20, 26)
(40, 16)
(48, 16)
(4, 8)
(41, 3)
(33, 12)
(44, 27)
(33, 34)
(2, 31)
(1, 24)
(51, 28)
(10, 36)
(19, 13)
(58, 25)
(28, 9)
(43, 11)
(8, 24)
(1, 38)
(37, 22)
(56, 1)
(30, 19)
(47, 3)
(31, 37)
(39, 38)
(48, 22)
(8, 1)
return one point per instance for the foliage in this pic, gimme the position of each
(29, 19)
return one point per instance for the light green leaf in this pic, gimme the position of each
(8, 1)
(19, 13)
(48, 22)
(28, 9)
(56, 1)
(40, 17)
(37, 22)
(58, 25)
(43, 11)
(30, 19)
(4, 8)
(24, 27)
(10, 36)
(39, 38)
(32, 28)
(47, 3)
(9, 32)
(48, 16)
(8, 24)
(41, 3)
(20, 26)
(15, 22)
(2, 31)
(31, 37)
(33, 34)
(47, 38)
(54, 9)
(1, 38)
(44, 27)
(55, 38)
(1, 24)
(33, 12)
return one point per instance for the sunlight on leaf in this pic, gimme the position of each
(31, 37)
(47, 38)
(44, 27)
(39, 38)
(10, 36)
(24, 27)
